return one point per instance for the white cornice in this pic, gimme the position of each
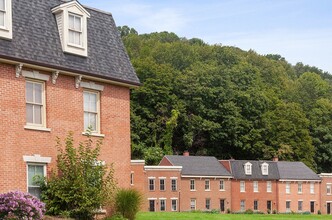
(171, 168)
(36, 158)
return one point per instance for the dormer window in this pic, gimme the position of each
(72, 22)
(75, 29)
(247, 168)
(265, 169)
(6, 19)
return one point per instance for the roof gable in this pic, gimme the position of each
(74, 5)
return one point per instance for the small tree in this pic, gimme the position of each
(128, 202)
(82, 184)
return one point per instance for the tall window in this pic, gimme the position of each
(162, 205)
(35, 103)
(75, 29)
(242, 186)
(162, 184)
(222, 185)
(328, 189)
(174, 184)
(174, 204)
(151, 184)
(192, 185)
(193, 204)
(299, 188)
(288, 209)
(243, 205)
(268, 186)
(247, 168)
(299, 204)
(255, 205)
(2, 12)
(312, 188)
(208, 204)
(35, 171)
(207, 185)
(255, 186)
(91, 111)
(288, 187)
(265, 169)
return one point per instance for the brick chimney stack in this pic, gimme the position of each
(186, 153)
(275, 158)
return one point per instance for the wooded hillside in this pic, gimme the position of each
(223, 101)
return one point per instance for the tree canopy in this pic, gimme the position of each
(226, 102)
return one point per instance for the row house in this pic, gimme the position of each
(204, 183)
(326, 193)
(63, 67)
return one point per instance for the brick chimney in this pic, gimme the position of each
(275, 158)
(186, 153)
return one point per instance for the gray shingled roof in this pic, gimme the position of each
(296, 171)
(199, 165)
(36, 40)
(237, 167)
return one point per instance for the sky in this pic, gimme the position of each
(299, 30)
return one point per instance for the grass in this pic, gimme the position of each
(208, 216)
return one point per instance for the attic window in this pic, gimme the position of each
(265, 169)
(75, 29)
(71, 18)
(6, 19)
(247, 168)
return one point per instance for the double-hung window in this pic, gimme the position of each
(268, 186)
(174, 205)
(287, 187)
(207, 185)
(35, 103)
(242, 186)
(192, 204)
(75, 29)
(151, 184)
(2, 13)
(34, 172)
(328, 188)
(174, 184)
(162, 184)
(208, 204)
(312, 188)
(192, 185)
(222, 185)
(162, 205)
(299, 188)
(91, 111)
(255, 186)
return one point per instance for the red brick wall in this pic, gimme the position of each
(294, 196)
(325, 198)
(262, 196)
(64, 111)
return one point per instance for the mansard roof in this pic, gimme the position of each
(198, 165)
(238, 171)
(36, 41)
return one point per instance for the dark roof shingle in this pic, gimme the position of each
(36, 40)
(296, 171)
(237, 167)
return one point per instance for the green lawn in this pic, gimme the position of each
(207, 216)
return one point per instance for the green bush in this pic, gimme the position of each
(319, 212)
(116, 217)
(249, 211)
(128, 202)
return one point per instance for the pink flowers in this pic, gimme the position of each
(19, 205)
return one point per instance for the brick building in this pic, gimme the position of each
(63, 68)
(326, 193)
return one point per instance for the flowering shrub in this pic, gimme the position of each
(19, 205)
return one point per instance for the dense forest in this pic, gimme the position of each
(226, 102)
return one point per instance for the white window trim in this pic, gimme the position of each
(255, 183)
(330, 186)
(27, 171)
(193, 184)
(164, 199)
(312, 188)
(248, 168)
(288, 189)
(176, 204)
(208, 199)
(36, 158)
(164, 179)
(6, 31)
(43, 125)
(209, 185)
(298, 187)
(242, 183)
(97, 132)
(265, 172)
(195, 204)
(92, 86)
(223, 188)
(268, 189)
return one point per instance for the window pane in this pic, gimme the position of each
(71, 22)
(86, 101)
(86, 120)
(37, 114)
(29, 110)
(35, 191)
(29, 91)
(31, 173)
(93, 102)
(38, 89)
(71, 37)
(2, 18)
(77, 23)
(93, 121)
(77, 38)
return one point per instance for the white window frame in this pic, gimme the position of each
(174, 184)
(208, 204)
(192, 204)
(248, 168)
(265, 169)
(42, 125)
(288, 203)
(27, 170)
(192, 185)
(242, 186)
(255, 186)
(222, 185)
(207, 185)
(97, 93)
(255, 208)
(328, 188)
(243, 205)
(268, 186)
(6, 31)
(299, 187)
(288, 187)
(152, 183)
(300, 207)
(164, 184)
(312, 188)
(160, 201)
(174, 204)
(80, 32)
